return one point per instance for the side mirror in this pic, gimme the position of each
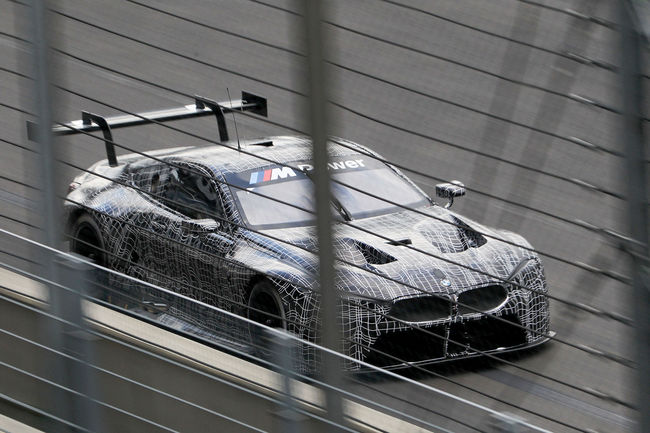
(450, 191)
(206, 225)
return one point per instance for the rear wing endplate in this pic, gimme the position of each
(202, 107)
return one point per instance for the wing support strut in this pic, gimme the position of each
(90, 118)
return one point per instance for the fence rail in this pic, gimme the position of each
(518, 99)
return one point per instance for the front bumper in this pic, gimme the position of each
(458, 356)
(521, 322)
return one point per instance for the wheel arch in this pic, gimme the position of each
(279, 279)
(72, 214)
(296, 295)
(90, 237)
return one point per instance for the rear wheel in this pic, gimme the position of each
(87, 241)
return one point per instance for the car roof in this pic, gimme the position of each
(254, 153)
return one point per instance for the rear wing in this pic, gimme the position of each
(202, 107)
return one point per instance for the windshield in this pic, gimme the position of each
(296, 189)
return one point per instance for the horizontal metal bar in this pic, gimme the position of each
(254, 103)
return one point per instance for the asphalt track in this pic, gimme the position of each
(448, 61)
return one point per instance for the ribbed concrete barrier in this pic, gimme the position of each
(242, 390)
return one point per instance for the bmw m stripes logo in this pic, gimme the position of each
(271, 174)
(276, 173)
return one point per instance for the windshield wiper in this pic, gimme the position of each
(341, 209)
(335, 201)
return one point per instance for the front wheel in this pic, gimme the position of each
(265, 307)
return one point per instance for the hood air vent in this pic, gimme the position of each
(372, 255)
(452, 238)
(468, 236)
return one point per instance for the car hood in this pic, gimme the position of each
(405, 254)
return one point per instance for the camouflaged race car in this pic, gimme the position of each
(232, 226)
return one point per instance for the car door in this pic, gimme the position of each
(195, 245)
(154, 226)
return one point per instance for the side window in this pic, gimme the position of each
(189, 193)
(149, 178)
(155, 184)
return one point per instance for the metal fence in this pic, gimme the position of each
(167, 315)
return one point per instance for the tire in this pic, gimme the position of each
(87, 240)
(265, 307)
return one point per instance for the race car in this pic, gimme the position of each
(231, 225)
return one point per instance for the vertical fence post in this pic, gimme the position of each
(637, 199)
(44, 114)
(64, 302)
(284, 351)
(74, 276)
(318, 81)
(52, 331)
